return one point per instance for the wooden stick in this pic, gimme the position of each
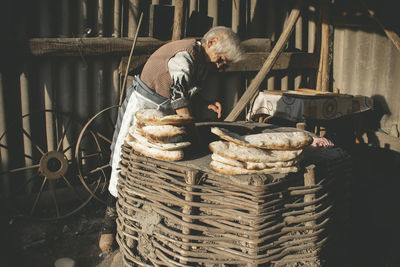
(269, 62)
(178, 15)
(129, 59)
(187, 209)
(309, 180)
(323, 71)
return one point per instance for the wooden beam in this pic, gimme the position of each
(251, 62)
(290, 60)
(85, 46)
(272, 58)
(98, 46)
(257, 45)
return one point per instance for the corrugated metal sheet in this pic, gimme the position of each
(367, 63)
(82, 86)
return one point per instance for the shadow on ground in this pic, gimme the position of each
(33, 243)
(374, 230)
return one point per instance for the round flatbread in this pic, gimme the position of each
(157, 132)
(228, 161)
(156, 117)
(267, 165)
(222, 168)
(252, 154)
(269, 140)
(155, 153)
(254, 165)
(134, 135)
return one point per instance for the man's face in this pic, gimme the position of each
(219, 59)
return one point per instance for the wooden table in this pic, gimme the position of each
(315, 110)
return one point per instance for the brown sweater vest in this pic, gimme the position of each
(155, 72)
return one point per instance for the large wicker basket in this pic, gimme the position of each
(185, 214)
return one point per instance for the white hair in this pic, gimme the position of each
(227, 42)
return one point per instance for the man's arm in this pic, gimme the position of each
(180, 68)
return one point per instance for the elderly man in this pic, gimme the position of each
(170, 77)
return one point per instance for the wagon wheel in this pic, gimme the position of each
(40, 173)
(92, 152)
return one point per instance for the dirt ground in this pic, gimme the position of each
(40, 243)
(372, 241)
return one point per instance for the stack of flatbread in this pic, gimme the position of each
(268, 152)
(157, 135)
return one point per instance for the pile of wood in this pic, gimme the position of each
(273, 151)
(159, 136)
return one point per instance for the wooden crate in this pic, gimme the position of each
(185, 214)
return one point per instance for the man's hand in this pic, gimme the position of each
(321, 142)
(216, 107)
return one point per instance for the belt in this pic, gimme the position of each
(147, 92)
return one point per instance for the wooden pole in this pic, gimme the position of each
(270, 31)
(323, 70)
(129, 59)
(178, 16)
(82, 18)
(116, 19)
(190, 179)
(100, 18)
(236, 16)
(309, 180)
(299, 45)
(232, 85)
(212, 11)
(4, 152)
(193, 6)
(269, 62)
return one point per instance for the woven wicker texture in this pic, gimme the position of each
(177, 214)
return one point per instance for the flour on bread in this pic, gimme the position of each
(270, 140)
(156, 117)
(134, 135)
(228, 161)
(252, 154)
(156, 153)
(222, 168)
(153, 131)
(161, 131)
(266, 165)
(253, 165)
